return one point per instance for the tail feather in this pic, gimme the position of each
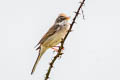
(41, 51)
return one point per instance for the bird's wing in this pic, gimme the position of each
(50, 32)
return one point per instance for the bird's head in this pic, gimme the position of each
(62, 19)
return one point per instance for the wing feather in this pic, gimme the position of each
(50, 32)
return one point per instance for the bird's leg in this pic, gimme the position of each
(56, 48)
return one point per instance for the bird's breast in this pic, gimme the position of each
(56, 37)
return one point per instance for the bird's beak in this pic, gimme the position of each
(67, 18)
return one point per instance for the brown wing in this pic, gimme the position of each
(50, 32)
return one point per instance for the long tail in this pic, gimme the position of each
(41, 52)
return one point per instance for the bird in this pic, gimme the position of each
(53, 37)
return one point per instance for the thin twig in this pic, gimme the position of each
(62, 42)
(83, 13)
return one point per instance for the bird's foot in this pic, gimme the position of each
(56, 48)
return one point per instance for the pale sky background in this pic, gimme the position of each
(92, 50)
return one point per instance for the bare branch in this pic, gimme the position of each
(62, 42)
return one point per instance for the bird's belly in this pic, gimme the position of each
(55, 39)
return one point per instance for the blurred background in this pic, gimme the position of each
(92, 50)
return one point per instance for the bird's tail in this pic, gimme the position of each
(41, 52)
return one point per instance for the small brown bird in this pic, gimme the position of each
(53, 37)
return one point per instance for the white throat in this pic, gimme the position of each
(63, 23)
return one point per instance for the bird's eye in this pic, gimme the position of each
(60, 19)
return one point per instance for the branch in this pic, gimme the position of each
(62, 42)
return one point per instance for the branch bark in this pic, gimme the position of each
(62, 42)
